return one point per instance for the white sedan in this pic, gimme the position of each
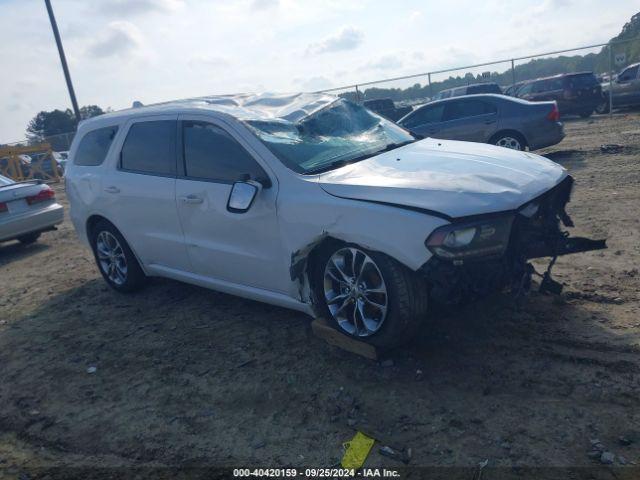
(27, 209)
(315, 203)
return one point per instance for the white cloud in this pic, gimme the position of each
(120, 39)
(386, 62)
(209, 61)
(126, 8)
(264, 4)
(415, 16)
(347, 38)
(314, 84)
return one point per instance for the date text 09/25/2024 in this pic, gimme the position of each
(315, 473)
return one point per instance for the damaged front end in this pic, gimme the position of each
(473, 257)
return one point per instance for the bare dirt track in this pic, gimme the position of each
(185, 376)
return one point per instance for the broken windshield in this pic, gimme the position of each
(341, 133)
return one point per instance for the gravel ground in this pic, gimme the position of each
(186, 376)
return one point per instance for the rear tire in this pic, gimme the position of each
(603, 107)
(509, 139)
(117, 264)
(586, 114)
(405, 299)
(29, 238)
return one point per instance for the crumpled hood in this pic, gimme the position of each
(454, 178)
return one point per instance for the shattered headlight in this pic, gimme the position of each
(458, 241)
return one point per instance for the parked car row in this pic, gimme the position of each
(525, 116)
(576, 93)
(582, 93)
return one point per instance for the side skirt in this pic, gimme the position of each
(224, 286)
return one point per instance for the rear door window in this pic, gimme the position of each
(210, 153)
(94, 146)
(150, 147)
(467, 108)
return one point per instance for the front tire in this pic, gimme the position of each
(368, 295)
(115, 260)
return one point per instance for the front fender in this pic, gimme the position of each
(397, 232)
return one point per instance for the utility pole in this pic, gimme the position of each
(610, 79)
(63, 59)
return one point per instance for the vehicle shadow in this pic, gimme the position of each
(570, 158)
(180, 375)
(14, 251)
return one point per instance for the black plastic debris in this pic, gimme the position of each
(610, 148)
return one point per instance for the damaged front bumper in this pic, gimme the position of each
(498, 249)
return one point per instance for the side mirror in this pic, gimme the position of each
(242, 196)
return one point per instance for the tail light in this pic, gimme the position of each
(554, 114)
(43, 195)
(3, 207)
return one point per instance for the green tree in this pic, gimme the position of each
(55, 122)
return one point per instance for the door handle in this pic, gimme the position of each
(191, 199)
(112, 189)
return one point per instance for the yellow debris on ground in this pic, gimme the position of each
(357, 451)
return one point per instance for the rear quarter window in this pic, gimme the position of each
(94, 146)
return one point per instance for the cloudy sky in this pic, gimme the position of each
(153, 50)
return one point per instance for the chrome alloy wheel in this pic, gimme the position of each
(509, 142)
(111, 257)
(355, 292)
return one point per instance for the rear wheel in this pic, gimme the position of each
(116, 262)
(368, 295)
(603, 107)
(586, 114)
(512, 140)
(29, 238)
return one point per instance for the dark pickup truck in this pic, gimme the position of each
(387, 108)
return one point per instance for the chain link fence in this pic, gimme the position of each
(605, 60)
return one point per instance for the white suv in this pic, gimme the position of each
(314, 203)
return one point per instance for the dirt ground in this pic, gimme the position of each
(189, 377)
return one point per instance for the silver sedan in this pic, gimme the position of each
(27, 209)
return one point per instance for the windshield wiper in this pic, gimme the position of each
(329, 166)
(393, 146)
